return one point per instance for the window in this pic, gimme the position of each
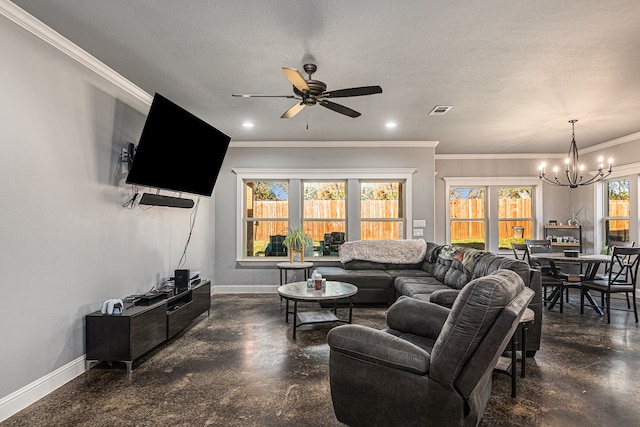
(616, 215)
(324, 215)
(467, 216)
(325, 202)
(491, 212)
(515, 217)
(381, 210)
(266, 217)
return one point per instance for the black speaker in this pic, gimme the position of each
(171, 202)
(182, 279)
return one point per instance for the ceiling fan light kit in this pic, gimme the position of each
(573, 169)
(311, 92)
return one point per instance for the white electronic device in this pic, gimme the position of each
(112, 306)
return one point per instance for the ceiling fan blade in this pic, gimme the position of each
(291, 112)
(354, 91)
(296, 79)
(339, 108)
(254, 95)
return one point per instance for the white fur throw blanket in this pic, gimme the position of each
(384, 251)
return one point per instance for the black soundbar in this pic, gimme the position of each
(172, 202)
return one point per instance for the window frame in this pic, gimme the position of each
(491, 210)
(402, 206)
(245, 220)
(304, 219)
(530, 219)
(605, 208)
(295, 178)
(483, 220)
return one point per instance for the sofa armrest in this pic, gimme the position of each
(444, 297)
(381, 348)
(410, 315)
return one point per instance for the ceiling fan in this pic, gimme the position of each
(312, 92)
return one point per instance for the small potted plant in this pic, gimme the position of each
(296, 241)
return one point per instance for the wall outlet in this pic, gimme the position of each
(418, 232)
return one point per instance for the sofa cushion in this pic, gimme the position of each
(423, 342)
(363, 265)
(363, 279)
(492, 262)
(454, 265)
(412, 286)
(408, 273)
(431, 256)
(444, 297)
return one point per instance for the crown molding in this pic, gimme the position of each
(39, 29)
(362, 173)
(333, 144)
(491, 180)
(594, 148)
(497, 156)
(618, 141)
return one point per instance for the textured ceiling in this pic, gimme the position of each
(514, 71)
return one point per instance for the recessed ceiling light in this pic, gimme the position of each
(247, 125)
(440, 110)
(391, 125)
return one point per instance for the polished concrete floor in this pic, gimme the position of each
(240, 367)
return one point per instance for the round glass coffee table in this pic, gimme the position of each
(334, 291)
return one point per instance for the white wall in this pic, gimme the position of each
(67, 243)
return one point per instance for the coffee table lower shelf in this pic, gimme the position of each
(314, 317)
(298, 292)
(310, 317)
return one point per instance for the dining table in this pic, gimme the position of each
(590, 262)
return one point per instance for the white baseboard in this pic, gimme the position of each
(20, 399)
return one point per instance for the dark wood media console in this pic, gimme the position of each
(142, 326)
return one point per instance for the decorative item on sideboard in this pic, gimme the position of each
(574, 217)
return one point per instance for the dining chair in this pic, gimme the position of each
(520, 252)
(620, 280)
(617, 266)
(619, 244)
(539, 247)
(547, 278)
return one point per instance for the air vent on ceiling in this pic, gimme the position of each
(439, 110)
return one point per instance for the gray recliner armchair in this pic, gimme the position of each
(434, 365)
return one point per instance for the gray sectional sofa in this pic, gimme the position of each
(434, 273)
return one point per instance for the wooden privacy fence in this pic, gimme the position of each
(330, 213)
(474, 208)
(618, 229)
(270, 211)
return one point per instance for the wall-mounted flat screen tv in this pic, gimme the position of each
(177, 151)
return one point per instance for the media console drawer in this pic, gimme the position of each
(179, 318)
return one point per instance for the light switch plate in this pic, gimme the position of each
(419, 223)
(418, 232)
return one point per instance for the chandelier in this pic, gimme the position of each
(573, 169)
